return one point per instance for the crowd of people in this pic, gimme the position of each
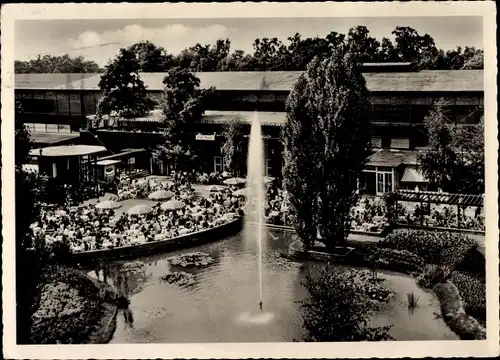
(373, 213)
(442, 216)
(86, 228)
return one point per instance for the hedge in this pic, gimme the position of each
(433, 247)
(473, 292)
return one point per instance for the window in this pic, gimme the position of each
(64, 128)
(75, 104)
(52, 128)
(63, 104)
(400, 143)
(218, 164)
(40, 127)
(388, 182)
(380, 183)
(268, 167)
(131, 161)
(376, 142)
(54, 170)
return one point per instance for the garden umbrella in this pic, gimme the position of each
(161, 195)
(217, 188)
(173, 205)
(108, 204)
(268, 179)
(140, 209)
(241, 192)
(234, 181)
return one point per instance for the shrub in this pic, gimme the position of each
(432, 275)
(69, 307)
(432, 247)
(401, 256)
(473, 292)
(336, 310)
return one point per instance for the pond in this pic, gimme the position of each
(222, 305)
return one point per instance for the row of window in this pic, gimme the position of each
(219, 165)
(50, 128)
(270, 97)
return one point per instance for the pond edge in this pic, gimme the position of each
(451, 303)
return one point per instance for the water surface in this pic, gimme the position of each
(222, 305)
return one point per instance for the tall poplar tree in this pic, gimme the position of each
(326, 141)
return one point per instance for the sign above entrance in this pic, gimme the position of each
(205, 137)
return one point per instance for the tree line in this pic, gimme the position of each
(273, 54)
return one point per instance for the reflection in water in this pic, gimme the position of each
(221, 306)
(260, 318)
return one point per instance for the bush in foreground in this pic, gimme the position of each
(69, 307)
(473, 292)
(432, 247)
(337, 309)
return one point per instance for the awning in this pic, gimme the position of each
(108, 162)
(413, 175)
(391, 158)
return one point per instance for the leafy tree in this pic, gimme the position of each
(205, 57)
(123, 92)
(326, 141)
(23, 142)
(361, 42)
(183, 103)
(336, 309)
(152, 58)
(474, 59)
(454, 157)
(413, 47)
(56, 64)
(232, 149)
(387, 52)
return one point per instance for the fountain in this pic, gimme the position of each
(256, 191)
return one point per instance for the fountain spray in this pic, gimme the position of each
(255, 167)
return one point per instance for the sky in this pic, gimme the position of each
(99, 40)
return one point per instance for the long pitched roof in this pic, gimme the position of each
(421, 81)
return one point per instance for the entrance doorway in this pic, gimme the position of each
(384, 183)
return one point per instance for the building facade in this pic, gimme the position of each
(400, 97)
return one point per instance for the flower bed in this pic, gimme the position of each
(179, 278)
(195, 259)
(69, 310)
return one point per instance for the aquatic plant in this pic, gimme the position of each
(194, 259)
(178, 278)
(412, 300)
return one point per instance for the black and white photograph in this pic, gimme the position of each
(268, 180)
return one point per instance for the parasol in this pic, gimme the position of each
(268, 179)
(108, 204)
(217, 188)
(161, 195)
(140, 209)
(173, 205)
(234, 181)
(241, 192)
